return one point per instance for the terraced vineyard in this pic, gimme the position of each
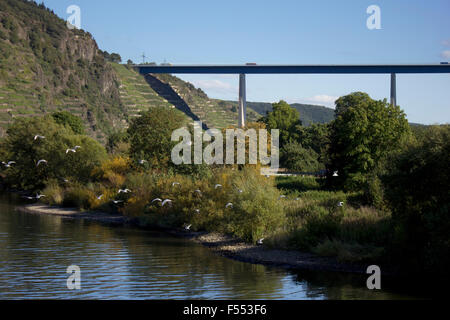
(135, 93)
(138, 93)
(26, 101)
(212, 112)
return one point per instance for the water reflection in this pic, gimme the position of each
(126, 263)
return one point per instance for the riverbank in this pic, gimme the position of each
(223, 245)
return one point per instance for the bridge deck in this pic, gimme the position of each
(295, 69)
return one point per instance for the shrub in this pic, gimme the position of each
(21, 147)
(349, 252)
(78, 196)
(257, 211)
(54, 194)
(112, 172)
(150, 136)
(316, 219)
(69, 120)
(299, 159)
(298, 183)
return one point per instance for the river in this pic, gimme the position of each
(130, 263)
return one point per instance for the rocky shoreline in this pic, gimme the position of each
(220, 244)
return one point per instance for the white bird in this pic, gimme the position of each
(240, 191)
(29, 198)
(198, 191)
(65, 180)
(281, 197)
(117, 201)
(77, 147)
(8, 165)
(167, 201)
(41, 161)
(176, 184)
(142, 161)
(38, 137)
(197, 211)
(229, 205)
(335, 174)
(260, 242)
(188, 227)
(38, 196)
(341, 204)
(157, 199)
(100, 197)
(218, 186)
(124, 191)
(71, 150)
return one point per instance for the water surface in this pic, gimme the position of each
(128, 263)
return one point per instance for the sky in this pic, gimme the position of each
(284, 32)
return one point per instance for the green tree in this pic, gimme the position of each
(150, 135)
(117, 143)
(115, 57)
(317, 138)
(70, 121)
(417, 188)
(106, 55)
(286, 119)
(297, 158)
(364, 132)
(21, 147)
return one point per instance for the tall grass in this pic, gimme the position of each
(316, 222)
(306, 218)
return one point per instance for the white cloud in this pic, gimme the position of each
(215, 85)
(445, 54)
(320, 99)
(323, 98)
(446, 43)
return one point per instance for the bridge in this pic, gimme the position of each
(252, 68)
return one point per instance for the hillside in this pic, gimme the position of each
(135, 93)
(314, 114)
(44, 67)
(139, 93)
(213, 112)
(308, 113)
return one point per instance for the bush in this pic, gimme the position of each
(78, 196)
(150, 136)
(70, 121)
(54, 194)
(316, 223)
(296, 158)
(349, 252)
(20, 146)
(257, 211)
(298, 183)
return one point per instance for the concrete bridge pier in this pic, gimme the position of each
(242, 101)
(393, 89)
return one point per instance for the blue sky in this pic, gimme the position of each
(297, 32)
